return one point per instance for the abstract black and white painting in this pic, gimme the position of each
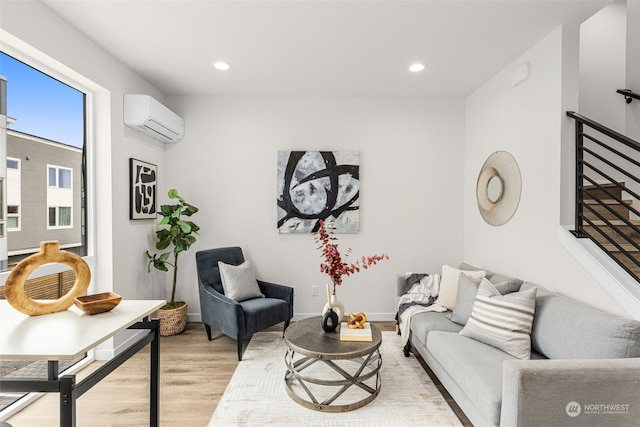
(315, 185)
(143, 180)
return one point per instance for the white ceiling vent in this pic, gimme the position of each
(144, 114)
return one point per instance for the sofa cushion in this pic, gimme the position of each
(475, 367)
(467, 290)
(503, 321)
(424, 323)
(564, 328)
(449, 285)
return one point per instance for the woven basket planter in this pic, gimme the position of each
(172, 321)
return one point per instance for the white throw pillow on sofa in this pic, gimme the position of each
(449, 284)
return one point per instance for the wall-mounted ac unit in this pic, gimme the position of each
(144, 114)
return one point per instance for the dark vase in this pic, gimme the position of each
(329, 321)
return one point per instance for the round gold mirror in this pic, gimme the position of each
(498, 188)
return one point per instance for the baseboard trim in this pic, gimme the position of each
(108, 351)
(375, 317)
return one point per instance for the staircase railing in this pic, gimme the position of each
(628, 94)
(607, 185)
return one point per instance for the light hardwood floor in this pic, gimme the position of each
(194, 375)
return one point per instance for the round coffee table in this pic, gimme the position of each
(326, 374)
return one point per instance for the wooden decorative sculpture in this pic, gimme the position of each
(49, 253)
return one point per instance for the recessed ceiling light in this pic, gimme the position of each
(417, 67)
(221, 65)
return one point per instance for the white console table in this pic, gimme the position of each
(69, 334)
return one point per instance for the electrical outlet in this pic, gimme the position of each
(314, 291)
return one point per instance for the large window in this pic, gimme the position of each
(46, 188)
(45, 161)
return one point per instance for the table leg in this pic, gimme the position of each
(154, 408)
(52, 370)
(67, 401)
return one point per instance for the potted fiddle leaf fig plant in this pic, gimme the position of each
(176, 235)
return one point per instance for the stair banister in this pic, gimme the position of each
(601, 212)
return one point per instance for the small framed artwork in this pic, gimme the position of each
(143, 188)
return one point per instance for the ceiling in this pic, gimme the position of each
(348, 48)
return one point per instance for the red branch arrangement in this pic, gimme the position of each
(333, 264)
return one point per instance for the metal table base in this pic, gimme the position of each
(366, 367)
(70, 390)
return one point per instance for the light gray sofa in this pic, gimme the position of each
(584, 368)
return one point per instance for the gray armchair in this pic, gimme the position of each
(238, 320)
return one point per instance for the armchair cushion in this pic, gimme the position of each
(239, 282)
(259, 312)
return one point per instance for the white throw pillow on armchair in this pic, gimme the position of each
(239, 282)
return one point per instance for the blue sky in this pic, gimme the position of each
(41, 105)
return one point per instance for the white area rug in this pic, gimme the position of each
(256, 395)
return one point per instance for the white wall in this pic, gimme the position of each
(526, 121)
(31, 28)
(603, 51)
(410, 168)
(632, 75)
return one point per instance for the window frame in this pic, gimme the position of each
(57, 170)
(97, 178)
(56, 225)
(94, 101)
(13, 159)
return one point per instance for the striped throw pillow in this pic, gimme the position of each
(502, 321)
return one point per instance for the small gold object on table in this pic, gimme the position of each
(98, 303)
(356, 328)
(49, 253)
(356, 321)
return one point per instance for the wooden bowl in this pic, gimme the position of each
(97, 303)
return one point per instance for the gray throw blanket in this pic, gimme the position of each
(419, 299)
